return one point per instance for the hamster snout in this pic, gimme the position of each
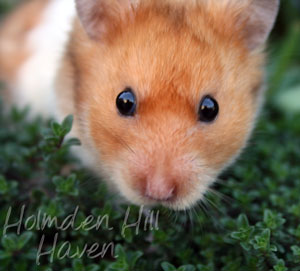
(158, 187)
(166, 181)
(164, 177)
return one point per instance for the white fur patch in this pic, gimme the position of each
(47, 42)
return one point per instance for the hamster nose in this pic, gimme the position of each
(160, 189)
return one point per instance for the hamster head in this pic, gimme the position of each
(168, 91)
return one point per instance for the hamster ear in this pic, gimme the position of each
(99, 17)
(256, 21)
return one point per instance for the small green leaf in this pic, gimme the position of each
(10, 242)
(262, 241)
(3, 185)
(246, 246)
(187, 267)
(127, 235)
(242, 234)
(68, 186)
(243, 221)
(120, 252)
(280, 266)
(133, 258)
(296, 250)
(273, 220)
(56, 129)
(72, 142)
(67, 124)
(119, 266)
(168, 267)
(296, 232)
(24, 239)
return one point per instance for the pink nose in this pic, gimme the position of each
(159, 188)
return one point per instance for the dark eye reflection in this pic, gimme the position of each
(126, 103)
(208, 109)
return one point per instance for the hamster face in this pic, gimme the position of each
(156, 143)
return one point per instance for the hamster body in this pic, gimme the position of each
(164, 93)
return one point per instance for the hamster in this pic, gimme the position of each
(165, 93)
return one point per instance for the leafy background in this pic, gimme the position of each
(251, 221)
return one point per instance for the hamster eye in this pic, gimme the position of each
(126, 102)
(208, 109)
